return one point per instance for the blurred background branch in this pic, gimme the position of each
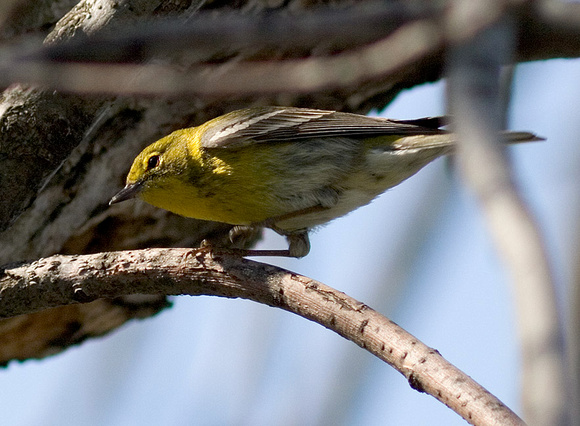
(475, 102)
(276, 52)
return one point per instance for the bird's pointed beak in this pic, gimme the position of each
(130, 191)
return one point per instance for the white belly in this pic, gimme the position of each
(382, 170)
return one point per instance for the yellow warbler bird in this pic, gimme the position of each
(288, 169)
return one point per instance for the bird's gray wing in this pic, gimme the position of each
(283, 124)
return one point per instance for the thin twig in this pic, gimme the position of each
(61, 280)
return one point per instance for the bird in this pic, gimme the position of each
(285, 168)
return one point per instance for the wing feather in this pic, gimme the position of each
(282, 124)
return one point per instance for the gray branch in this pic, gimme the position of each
(64, 280)
(474, 97)
(119, 62)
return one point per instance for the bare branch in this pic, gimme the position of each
(379, 61)
(202, 37)
(475, 104)
(64, 280)
(550, 29)
(117, 61)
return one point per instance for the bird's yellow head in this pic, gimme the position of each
(154, 169)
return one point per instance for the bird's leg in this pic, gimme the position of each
(298, 246)
(206, 246)
(240, 235)
(298, 241)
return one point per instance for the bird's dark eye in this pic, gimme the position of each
(152, 162)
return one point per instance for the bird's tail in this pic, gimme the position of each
(518, 137)
(436, 123)
(447, 141)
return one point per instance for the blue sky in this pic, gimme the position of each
(420, 254)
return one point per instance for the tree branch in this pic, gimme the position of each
(63, 280)
(474, 96)
(117, 62)
(412, 43)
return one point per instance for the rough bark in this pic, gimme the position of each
(62, 280)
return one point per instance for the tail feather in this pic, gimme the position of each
(441, 121)
(427, 122)
(518, 137)
(447, 141)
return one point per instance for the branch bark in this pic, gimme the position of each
(63, 280)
